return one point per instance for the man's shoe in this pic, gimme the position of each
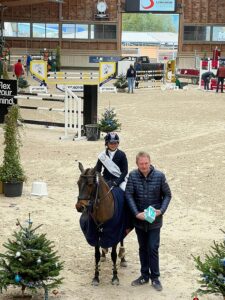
(157, 285)
(140, 281)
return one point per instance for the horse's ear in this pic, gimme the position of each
(81, 167)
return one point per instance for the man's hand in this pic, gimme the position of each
(158, 212)
(141, 216)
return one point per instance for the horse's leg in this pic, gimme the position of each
(115, 279)
(103, 254)
(95, 280)
(123, 262)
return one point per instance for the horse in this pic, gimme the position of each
(97, 203)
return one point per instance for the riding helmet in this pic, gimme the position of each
(112, 137)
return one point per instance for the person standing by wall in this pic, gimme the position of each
(131, 75)
(146, 187)
(220, 78)
(19, 69)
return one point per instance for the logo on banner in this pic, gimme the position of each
(157, 5)
(150, 5)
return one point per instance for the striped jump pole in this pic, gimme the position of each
(72, 111)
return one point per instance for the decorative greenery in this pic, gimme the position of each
(58, 58)
(212, 271)
(30, 261)
(22, 83)
(108, 122)
(12, 170)
(121, 82)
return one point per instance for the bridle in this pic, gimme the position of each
(96, 200)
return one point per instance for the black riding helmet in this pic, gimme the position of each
(112, 137)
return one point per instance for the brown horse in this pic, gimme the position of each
(96, 199)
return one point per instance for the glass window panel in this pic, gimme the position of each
(97, 31)
(109, 31)
(52, 31)
(23, 29)
(81, 31)
(68, 31)
(10, 29)
(203, 33)
(39, 30)
(196, 33)
(218, 33)
(189, 33)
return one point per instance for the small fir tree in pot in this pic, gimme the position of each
(109, 122)
(212, 271)
(121, 83)
(12, 173)
(30, 261)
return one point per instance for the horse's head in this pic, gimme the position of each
(87, 187)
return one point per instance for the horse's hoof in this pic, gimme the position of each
(95, 282)
(115, 281)
(103, 258)
(123, 263)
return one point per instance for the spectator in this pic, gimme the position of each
(220, 78)
(19, 69)
(206, 77)
(131, 75)
(28, 61)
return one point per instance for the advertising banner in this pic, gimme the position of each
(106, 70)
(38, 68)
(153, 6)
(8, 89)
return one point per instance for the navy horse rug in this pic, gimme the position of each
(112, 231)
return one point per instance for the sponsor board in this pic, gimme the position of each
(8, 89)
(38, 89)
(73, 88)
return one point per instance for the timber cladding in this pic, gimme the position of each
(79, 10)
(68, 12)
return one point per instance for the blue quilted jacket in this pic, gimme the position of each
(142, 192)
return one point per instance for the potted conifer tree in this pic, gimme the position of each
(30, 262)
(109, 121)
(12, 173)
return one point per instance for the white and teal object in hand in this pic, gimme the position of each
(150, 214)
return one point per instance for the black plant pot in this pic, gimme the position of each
(92, 132)
(13, 189)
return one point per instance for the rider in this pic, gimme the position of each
(114, 162)
(115, 169)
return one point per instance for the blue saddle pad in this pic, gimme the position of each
(111, 232)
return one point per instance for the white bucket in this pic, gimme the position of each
(39, 188)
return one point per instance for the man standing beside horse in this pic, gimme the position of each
(147, 187)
